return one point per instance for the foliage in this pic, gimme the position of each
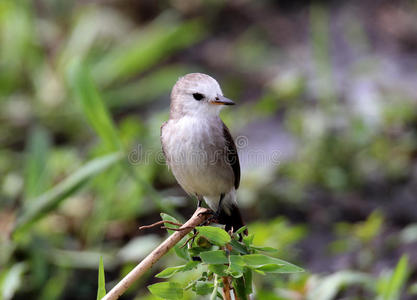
(46, 202)
(220, 255)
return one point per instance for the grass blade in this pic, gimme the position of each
(99, 118)
(45, 203)
(92, 105)
(36, 161)
(160, 39)
(146, 89)
(392, 289)
(101, 290)
(12, 281)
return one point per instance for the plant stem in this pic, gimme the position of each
(216, 285)
(226, 288)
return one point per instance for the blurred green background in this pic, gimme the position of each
(326, 126)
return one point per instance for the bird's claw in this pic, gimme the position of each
(207, 212)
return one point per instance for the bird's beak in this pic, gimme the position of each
(221, 100)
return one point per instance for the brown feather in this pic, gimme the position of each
(232, 155)
(162, 144)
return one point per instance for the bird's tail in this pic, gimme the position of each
(232, 218)
(228, 213)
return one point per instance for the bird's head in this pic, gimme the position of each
(197, 94)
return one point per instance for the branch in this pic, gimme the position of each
(226, 288)
(159, 223)
(199, 216)
(226, 281)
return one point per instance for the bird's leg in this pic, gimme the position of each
(215, 215)
(199, 201)
(199, 204)
(219, 207)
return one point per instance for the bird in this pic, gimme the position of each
(199, 149)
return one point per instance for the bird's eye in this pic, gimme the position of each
(198, 96)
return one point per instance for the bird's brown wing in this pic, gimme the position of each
(163, 150)
(231, 154)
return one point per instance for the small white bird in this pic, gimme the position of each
(199, 149)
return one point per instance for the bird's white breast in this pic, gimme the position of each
(194, 149)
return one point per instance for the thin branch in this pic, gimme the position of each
(199, 216)
(191, 238)
(159, 223)
(226, 288)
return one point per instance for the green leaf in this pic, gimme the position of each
(392, 289)
(167, 290)
(238, 247)
(47, 202)
(169, 272)
(181, 252)
(92, 105)
(260, 272)
(36, 162)
(167, 217)
(214, 257)
(203, 243)
(220, 270)
(101, 290)
(269, 264)
(12, 281)
(240, 288)
(264, 249)
(257, 260)
(248, 240)
(273, 268)
(203, 287)
(215, 235)
(241, 229)
(247, 274)
(190, 265)
(236, 265)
